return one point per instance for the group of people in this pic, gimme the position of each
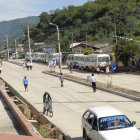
(28, 65)
(52, 64)
(107, 69)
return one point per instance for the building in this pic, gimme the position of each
(47, 48)
(98, 46)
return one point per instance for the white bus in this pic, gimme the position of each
(92, 61)
(72, 58)
(27, 56)
(55, 56)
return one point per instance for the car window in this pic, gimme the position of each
(90, 119)
(114, 122)
(86, 115)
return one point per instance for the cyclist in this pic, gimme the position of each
(46, 99)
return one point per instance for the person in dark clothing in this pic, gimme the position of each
(61, 79)
(46, 99)
(70, 67)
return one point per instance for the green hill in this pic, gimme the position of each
(95, 20)
(14, 28)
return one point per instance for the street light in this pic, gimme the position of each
(58, 46)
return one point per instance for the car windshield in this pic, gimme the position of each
(103, 59)
(114, 122)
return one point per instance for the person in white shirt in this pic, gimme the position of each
(107, 70)
(30, 65)
(93, 81)
(98, 70)
(0, 69)
(24, 65)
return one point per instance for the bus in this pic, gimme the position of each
(92, 61)
(72, 58)
(55, 56)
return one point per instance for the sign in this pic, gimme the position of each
(47, 50)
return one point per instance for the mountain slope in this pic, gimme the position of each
(14, 28)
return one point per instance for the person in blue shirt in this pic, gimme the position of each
(113, 68)
(25, 82)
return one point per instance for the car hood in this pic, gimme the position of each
(130, 133)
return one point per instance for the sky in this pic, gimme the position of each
(13, 9)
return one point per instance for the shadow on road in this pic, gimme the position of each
(78, 138)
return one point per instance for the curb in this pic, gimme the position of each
(100, 88)
(27, 127)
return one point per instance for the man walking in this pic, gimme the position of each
(46, 99)
(93, 80)
(61, 79)
(25, 82)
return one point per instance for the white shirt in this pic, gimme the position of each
(93, 79)
(46, 98)
(28, 64)
(107, 69)
(98, 69)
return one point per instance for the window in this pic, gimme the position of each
(86, 115)
(103, 59)
(114, 122)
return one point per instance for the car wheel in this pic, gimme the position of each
(86, 137)
(84, 133)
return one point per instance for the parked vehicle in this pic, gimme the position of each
(72, 58)
(107, 123)
(90, 62)
(54, 56)
(27, 56)
(43, 57)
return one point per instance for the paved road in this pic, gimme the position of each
(8, 123)
(70, 101)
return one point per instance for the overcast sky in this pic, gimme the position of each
(12, 9)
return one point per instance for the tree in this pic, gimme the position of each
(126, 50)
(88, 51)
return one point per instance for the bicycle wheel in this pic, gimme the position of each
(51, 113)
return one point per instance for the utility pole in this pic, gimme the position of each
(58, 46)
(115, 32)
(7, 47)
(29, 44)
(72, 40)
(59, 49)
(86, 39)
(16, 48)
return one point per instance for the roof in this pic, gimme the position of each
(74, 44)
(20, 137)
(105, 111)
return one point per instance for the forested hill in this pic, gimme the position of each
(14, 28)
(98, 19)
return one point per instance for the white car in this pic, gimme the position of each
(107, 123)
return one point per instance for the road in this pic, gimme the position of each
(70, 101)
(8, 124)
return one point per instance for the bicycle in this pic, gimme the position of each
(49, 109)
